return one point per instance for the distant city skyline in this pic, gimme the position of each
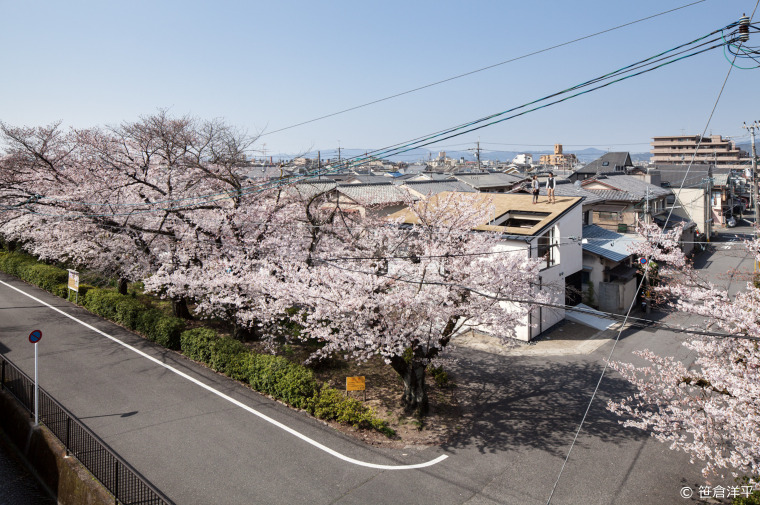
(266, 67)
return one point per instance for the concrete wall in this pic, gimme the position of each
(64, 477)
(570, 228)
(690, 203)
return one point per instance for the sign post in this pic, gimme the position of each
(34, 337)
(356, 384)
(74, 283)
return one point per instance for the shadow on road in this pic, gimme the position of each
(511, 404)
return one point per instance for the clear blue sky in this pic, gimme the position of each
(266, 65)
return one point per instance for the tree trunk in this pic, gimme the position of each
(242, 333)
(415, 398)
(121, 285)
(179, 308)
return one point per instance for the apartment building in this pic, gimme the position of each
(679, 149)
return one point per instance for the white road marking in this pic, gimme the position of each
(236, 402)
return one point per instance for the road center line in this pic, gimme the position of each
(232, 400)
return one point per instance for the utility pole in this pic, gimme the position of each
(339, 152)
(708, 204)
(751, 128)
(477, 153)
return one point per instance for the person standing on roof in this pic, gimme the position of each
(534, 185)
(550, 184)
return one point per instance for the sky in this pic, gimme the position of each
(264, 66)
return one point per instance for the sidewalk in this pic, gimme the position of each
(566, 338)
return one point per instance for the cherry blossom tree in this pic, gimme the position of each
(122, 199)
(709, 409)
(401, 288)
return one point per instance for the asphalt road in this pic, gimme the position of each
(199, 447)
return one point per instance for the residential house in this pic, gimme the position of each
(609, 270)
(377, 199)
(703, 193)
(610, 163)
(566, 188)
(551, 232)
(627, 200)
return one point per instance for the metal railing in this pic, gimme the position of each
(124, 482)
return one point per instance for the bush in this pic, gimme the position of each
(128, 311)
(281, 379)
(11, 262)
(83, 289)
(331, 404)
(196, 344)
(228, 357)
(147, 320)
(61, 290)
(102, 302)
(442, 379)
(167, 332)
(44, 276)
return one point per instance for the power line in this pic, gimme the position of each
(459, 76)
(638, 322)
(638, 290)
(659, 60)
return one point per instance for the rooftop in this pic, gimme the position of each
(514, 214)
(607, 243)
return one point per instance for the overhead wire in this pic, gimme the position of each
(462, 129)
(638, 290)
(465, 74)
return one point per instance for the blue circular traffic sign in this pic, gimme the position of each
(35, 336)
(643, 261)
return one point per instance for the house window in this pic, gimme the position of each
(610, 216)
(548, 248)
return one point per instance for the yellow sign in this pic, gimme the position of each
(74, 280)
(355, 383)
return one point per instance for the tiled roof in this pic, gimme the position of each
(629, 184)
(368, 179)
(615, 195)
(607, 243)
(435, 187)
(612, 160)
(489, 180)
(374, 194)
(311, 188)
(694, 176)
(565, 187)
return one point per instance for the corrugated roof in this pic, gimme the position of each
(607, 243)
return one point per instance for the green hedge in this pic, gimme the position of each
(272, 375)
(279, 378)
(197, 343)
(30, 270)
(12, 262)
(131, 313)
(332, 404)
